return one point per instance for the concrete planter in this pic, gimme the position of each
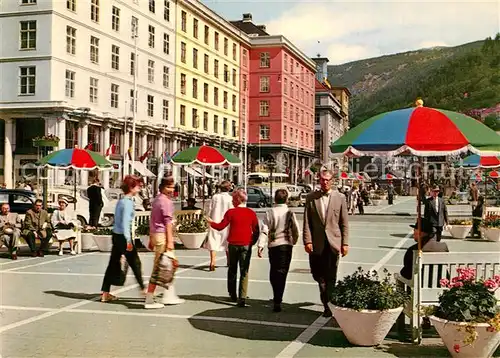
(366, 327)
(453, 335)
(491, 233)
(88, 242)
(460, 231)
(103, 242)
(376, 202)
(192, 241)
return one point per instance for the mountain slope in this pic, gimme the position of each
(440, 76)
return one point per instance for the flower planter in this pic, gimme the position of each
(45, 143)
(491, 233)
(366, 327)
(293, 203)
(192, 241)
(376, 202)
(460, 231)
(88, 242)
(453, 335)
(103, 242)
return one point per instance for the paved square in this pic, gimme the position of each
(48, 306)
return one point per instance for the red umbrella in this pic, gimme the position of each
(494, 174)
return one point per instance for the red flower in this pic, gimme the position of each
(490, 284)
(456, 348)
(490, 329)
(444, 282)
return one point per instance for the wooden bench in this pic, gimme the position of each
(491, 210)
(437, 265)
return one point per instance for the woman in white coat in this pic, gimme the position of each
(217, 240)
(64, 225)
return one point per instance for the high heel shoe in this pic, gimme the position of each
(211, 268)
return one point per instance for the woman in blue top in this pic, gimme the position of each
(123, 240)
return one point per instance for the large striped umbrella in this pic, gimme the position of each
(476, 161)
(75, 159)
(205, 155)
(418, 131)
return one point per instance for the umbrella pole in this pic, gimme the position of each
(203, 187)
(74, 188)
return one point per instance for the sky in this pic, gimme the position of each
(346, 31)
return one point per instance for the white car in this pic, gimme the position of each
(82, 205)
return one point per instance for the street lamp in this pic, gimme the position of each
(271, 165)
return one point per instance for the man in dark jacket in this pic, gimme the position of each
(94, 193)
(436, 212)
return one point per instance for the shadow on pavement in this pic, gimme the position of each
(74, 295)
(402, 236)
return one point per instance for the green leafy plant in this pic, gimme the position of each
(460, 222)
(103, 231)
(50, 137)
(88, 230)
(366, 291)
(193, 226)
(142, 229)
(469, 300)
(492, 221)
(376, 197)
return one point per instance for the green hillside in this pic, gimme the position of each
(440, 76)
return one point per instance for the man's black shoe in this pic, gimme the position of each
(241, 303)
(327, 313)
(277, 307)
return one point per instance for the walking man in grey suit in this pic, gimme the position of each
(436, 212)
(325, 235)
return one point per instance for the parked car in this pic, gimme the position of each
(258, 197)
(19, 200)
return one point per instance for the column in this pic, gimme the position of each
(83, 138)
(125, 147)
(144, 143)
(241, 171)
(7, 155)
(159, 154)
(175, 168)
(105, 146)
(60, 175)
(51, 129)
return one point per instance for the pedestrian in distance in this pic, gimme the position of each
(94, 193)
(325, 235)
(280, 231)
(436, 212)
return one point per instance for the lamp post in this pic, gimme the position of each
(271, 165)
(132, 156)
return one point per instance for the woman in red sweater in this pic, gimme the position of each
(243, 232)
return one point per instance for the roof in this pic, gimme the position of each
(342, 88)
(249, 28)
(320, 87)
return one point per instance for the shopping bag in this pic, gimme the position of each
(164, 270)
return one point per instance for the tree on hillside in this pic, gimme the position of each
(492, 122)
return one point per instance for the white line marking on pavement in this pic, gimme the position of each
(46, 262)
(391, 206)
(167, 315)
(81, 303)
(18, 261)
(294, 347)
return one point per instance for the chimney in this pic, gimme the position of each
(247, 17)
(262, 27)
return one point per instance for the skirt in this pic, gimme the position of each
(216, 240)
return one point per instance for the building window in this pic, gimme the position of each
(114, 138)
(226, 46)
(264, 84)
(205, 64)
(285, 132)
(225, 99)
(235, 49)
(93, 90)
(245, 82)
(291, 66)
(195, 58)
(94, 49)
(302, 117)
(151, 105)
(216, 40)
(133, 102)
(115, 19)
(216, 124)
(165, 110)
(195, 28)
(234, 77)
(265, 60)
(234, 103)
(183, 52)
(264, 108)
(166, 10)
(226, 73)
(70, 40)
(71, 6)
(233, 128)
(28, 35)
(285, 109)
(93, 137)
(207, 35)
(71, 134)
(317, 118)
(28, 2)
(291, 112)
(151, 37)
(132, 64)
(205, 121)
(297, 115)
(216, 96)
(224, 126)
(264, 132)
(134, 27)
(114, 95)
(245, 58)
(183, 83)
(70, 84)
(285, 65)
(183, 21)
(151, 71)
(152, 5)
(166, 76)
(115, 57)
(182, 115)
(194, 118)
(285, 87)
(166, 43)
(195, 88)
(205, 92)
(94, 10)
(216, 68)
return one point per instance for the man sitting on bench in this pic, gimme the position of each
(37, 226)
(429, 244)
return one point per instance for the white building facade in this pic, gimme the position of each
(67, 69)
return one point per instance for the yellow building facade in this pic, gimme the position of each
(207, 83)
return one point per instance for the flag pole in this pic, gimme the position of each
(134, 104)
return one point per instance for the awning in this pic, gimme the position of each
(197, 173)
(143, 170)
